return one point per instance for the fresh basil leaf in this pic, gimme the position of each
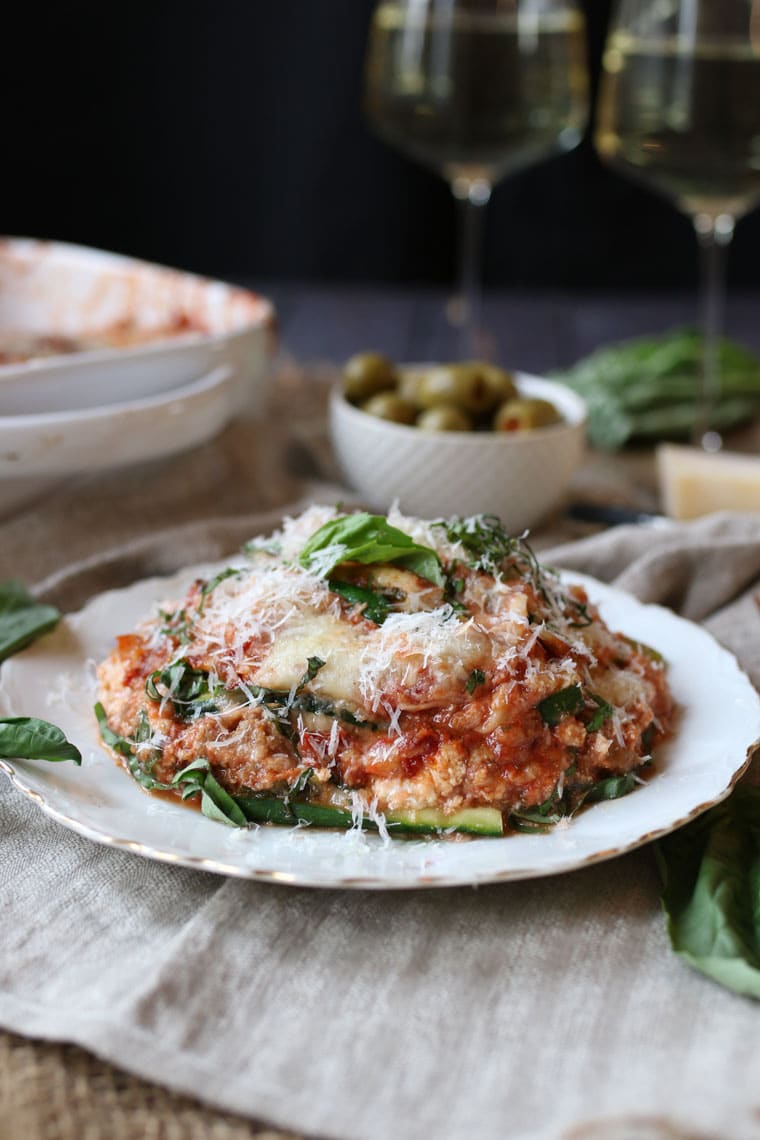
(366, 538)
(559, 704)
(534, 821)
(645, 388)
(613, 788)
(27, 738)
(711, 891)
(118, 743)
(216, 803)
(21, 618)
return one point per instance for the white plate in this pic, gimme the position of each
(54, 679)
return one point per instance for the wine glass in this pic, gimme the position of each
(476, 89)
(679, 108)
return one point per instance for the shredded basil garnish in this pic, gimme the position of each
(209, 586)
(176, 624)
(562, 703)
(377, 606)
(477, 677)
(490, 547)
(216, 803)
(602, 714)
(566, 803)
(128, 748)
(188, 690)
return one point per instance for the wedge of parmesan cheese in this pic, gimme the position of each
(694, 482)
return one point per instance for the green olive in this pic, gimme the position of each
(500, 383)
(366, 374)
(444, 417)
(409, 380)
(524, 414)
(472, 386)
(389, 406)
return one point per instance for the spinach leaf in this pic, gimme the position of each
(26, 738)
(366, 538)
(711, 891)
(21, 618)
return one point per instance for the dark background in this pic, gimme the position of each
(227, 137)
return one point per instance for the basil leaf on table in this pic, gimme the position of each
(367, 539)
(644, 389)
(711, 891)
(26, 738)
(21, 618)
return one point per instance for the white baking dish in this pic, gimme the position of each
(52, 288)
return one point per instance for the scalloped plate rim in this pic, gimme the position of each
(329, 859)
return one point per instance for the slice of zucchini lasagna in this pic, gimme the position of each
(384, 672)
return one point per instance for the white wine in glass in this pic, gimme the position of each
(679, 109)
(477, 89)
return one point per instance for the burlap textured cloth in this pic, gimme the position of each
(550, 1009)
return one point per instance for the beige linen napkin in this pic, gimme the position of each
(545, 1009)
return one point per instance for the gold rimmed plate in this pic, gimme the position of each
(718, 728)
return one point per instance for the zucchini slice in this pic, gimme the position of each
(469, 821)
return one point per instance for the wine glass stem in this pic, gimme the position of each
(472, 198)
(714, 235)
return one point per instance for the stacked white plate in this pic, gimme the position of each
(166, 360)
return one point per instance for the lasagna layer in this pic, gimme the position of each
(464, 677)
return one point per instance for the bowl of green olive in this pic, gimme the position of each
(456, 439)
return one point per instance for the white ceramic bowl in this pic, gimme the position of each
(521, 477)
(68, 290)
